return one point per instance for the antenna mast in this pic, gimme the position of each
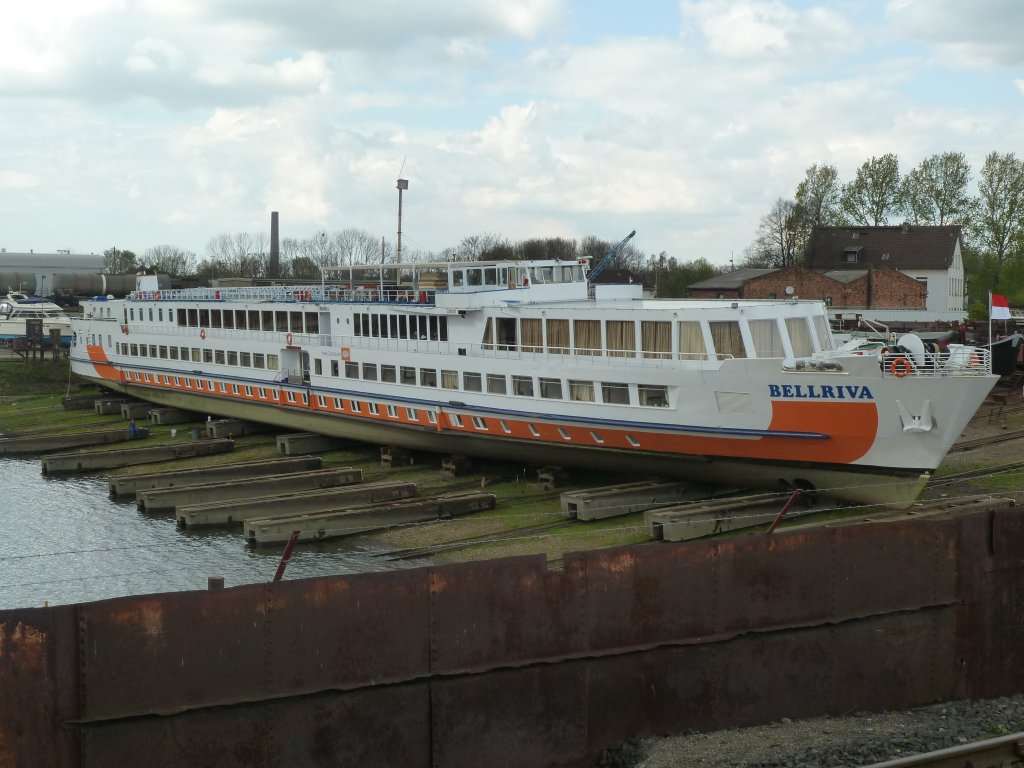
(403, 184)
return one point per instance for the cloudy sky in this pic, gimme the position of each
(135, 123)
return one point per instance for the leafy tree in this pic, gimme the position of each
(305, 268)
(935, 192)
(818, 198)
(875, 194)
(998, 231)
(778, 236)
(671, 279)
(118, 262)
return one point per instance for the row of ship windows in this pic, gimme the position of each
(355, 406)
(583, 391)
(197, 355)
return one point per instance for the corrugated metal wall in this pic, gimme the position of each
(503, 662)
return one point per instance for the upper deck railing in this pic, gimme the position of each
(307, 294)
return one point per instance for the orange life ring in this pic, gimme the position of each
(899, 367)
(157, 295)
(308, 296)
(346, 354)
(124, 329)
(202, 333)
(288, 339)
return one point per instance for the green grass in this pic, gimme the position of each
(34, 377)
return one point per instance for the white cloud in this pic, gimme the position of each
(18, 180)
(982, 34)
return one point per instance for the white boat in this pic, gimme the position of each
(17, 307)
(532, 362)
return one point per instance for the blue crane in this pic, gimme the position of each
(609, 258)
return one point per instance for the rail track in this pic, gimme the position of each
(1001, 752)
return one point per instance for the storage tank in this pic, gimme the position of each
(25, 282)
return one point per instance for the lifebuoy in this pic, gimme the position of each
(124, 329)
(202, 333)
(157, 295)
(346, 354)
(899, 367)
(308, 296)
(288, 339)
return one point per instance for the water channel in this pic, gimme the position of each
(65, 541)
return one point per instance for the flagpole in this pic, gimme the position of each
(990, 326)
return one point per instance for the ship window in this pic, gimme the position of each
(533, 430)
(241, 319)
(272, 362)
(472, 382)
(204, 318)
(653, 395)
(197, 355)
(408, 374)
(182, 316)
(219, 357)
(355, 405)
(422, 322)
(458, 277)
(351, 370)
(558, 336)
(767, 339)
(142, 350)
(596, 437)
(726, 336)
(375, 325)
(522, 386)
(228, 318)
(254, 319)
(134, 350)
(472, 277)
(152, 350)
(223, 387)
(614, 393)
(214, 318)
(177, 381)
(266, 321)
(412, 414)
(318, 366)
(490, 276)
(337, 404)
(532, 335)
(432, 417)
(370, 371)
(632, 441)
(621, 338)
(691, 341)
(207, 355)
(163, 352)
(131, 313)
(506, 329)
(455, 420)
(450, 379)
(479, 423)
(581, 391)
(193, 318)
(291, 396)
(173, 353)
(822, 332)
(387, 373)
(234, 389)
(295, 322)
(564, 434)
(392, 412)
(799, 336)
(442, 329)
(245, 359)
(587, 337)
(434, 334)
(335, 368)
(383, 321)
(258, 360)
(505, 427)
(151, 314)
(403, 327)
(393, 325)
(428, 377)
(551, 388)
(496, 384)
(160, 314)
(312, 322)
(657, 338)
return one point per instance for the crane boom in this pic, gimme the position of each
(609, 258)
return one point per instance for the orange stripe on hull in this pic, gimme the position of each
(101, 363)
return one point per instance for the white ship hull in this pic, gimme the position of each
(542, 374)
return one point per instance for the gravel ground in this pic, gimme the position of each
(828, 742)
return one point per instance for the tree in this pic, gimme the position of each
(998, 232)
(170, 260)
(778, 236)
(874, 195)
(117, 262)
(305, 268)
(671, 279)
(935, 192)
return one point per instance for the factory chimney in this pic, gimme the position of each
(274, 267)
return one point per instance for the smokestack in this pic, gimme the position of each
(274, 267)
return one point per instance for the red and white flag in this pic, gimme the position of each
(1000, 308)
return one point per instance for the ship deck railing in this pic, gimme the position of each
(965, 361)
(306, 294)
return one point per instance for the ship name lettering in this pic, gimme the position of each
(820, 391)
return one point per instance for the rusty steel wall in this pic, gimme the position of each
(506, 662)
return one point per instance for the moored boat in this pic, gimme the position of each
(18, 307)
(533, 362)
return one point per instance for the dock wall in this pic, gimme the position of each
(506, 662)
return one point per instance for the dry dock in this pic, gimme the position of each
(129, 485)
(86, 461)
(45, 443)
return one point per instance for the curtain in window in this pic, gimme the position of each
(558, 337)
(726, 336)
(583, 391)
(450, 379)
(767, 339)
(691, 341)
(621, 338)
(588, 337)
(799, 336)
(533, 340)
(657, 338)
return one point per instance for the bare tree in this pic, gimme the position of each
(778, 236)
(874, 195)
(170, 260)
